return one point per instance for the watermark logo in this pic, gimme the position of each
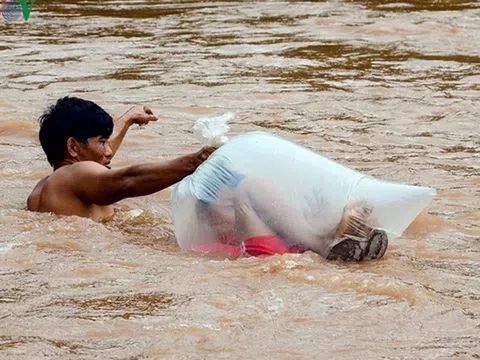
(13, 9)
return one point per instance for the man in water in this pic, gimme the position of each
(80, 140)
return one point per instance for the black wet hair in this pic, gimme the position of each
(71, 117)
(220, 178)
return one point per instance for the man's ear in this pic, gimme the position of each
(72, 148)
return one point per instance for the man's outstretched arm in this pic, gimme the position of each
(94, 184)
(136, 115)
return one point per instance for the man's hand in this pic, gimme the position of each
(141, 115)
(199, 157)
(196, 159)
(136, 115)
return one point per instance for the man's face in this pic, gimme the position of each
(96, 149)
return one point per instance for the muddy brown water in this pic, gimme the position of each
(391, 88)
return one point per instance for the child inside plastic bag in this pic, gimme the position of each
(244, 213)
(260, 194)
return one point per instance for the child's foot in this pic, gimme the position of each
(352, 249)
(356, 239)
(354, 221)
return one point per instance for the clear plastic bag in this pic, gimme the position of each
(212, 130)
(260, 185)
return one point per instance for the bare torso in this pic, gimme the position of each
(54, 194)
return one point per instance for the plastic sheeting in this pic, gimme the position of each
(212, 130)
(298, 194)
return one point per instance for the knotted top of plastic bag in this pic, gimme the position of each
(212, 130)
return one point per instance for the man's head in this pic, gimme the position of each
(76, 130)
(220, 213)
(215, 206)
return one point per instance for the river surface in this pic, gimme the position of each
(391, 88)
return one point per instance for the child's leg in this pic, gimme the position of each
(248, 224)
(276, 214)
(360, 240)
(258, 239)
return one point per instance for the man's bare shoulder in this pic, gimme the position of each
(82, 168)
(70, 176)
(62, 180)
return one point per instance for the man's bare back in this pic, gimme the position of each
(80, 139)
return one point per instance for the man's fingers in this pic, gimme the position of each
(148, 110)
(203, 155)
(151, 116)
(208, 150)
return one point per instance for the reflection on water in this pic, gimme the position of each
(387, 87)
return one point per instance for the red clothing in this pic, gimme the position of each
(256, 246)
